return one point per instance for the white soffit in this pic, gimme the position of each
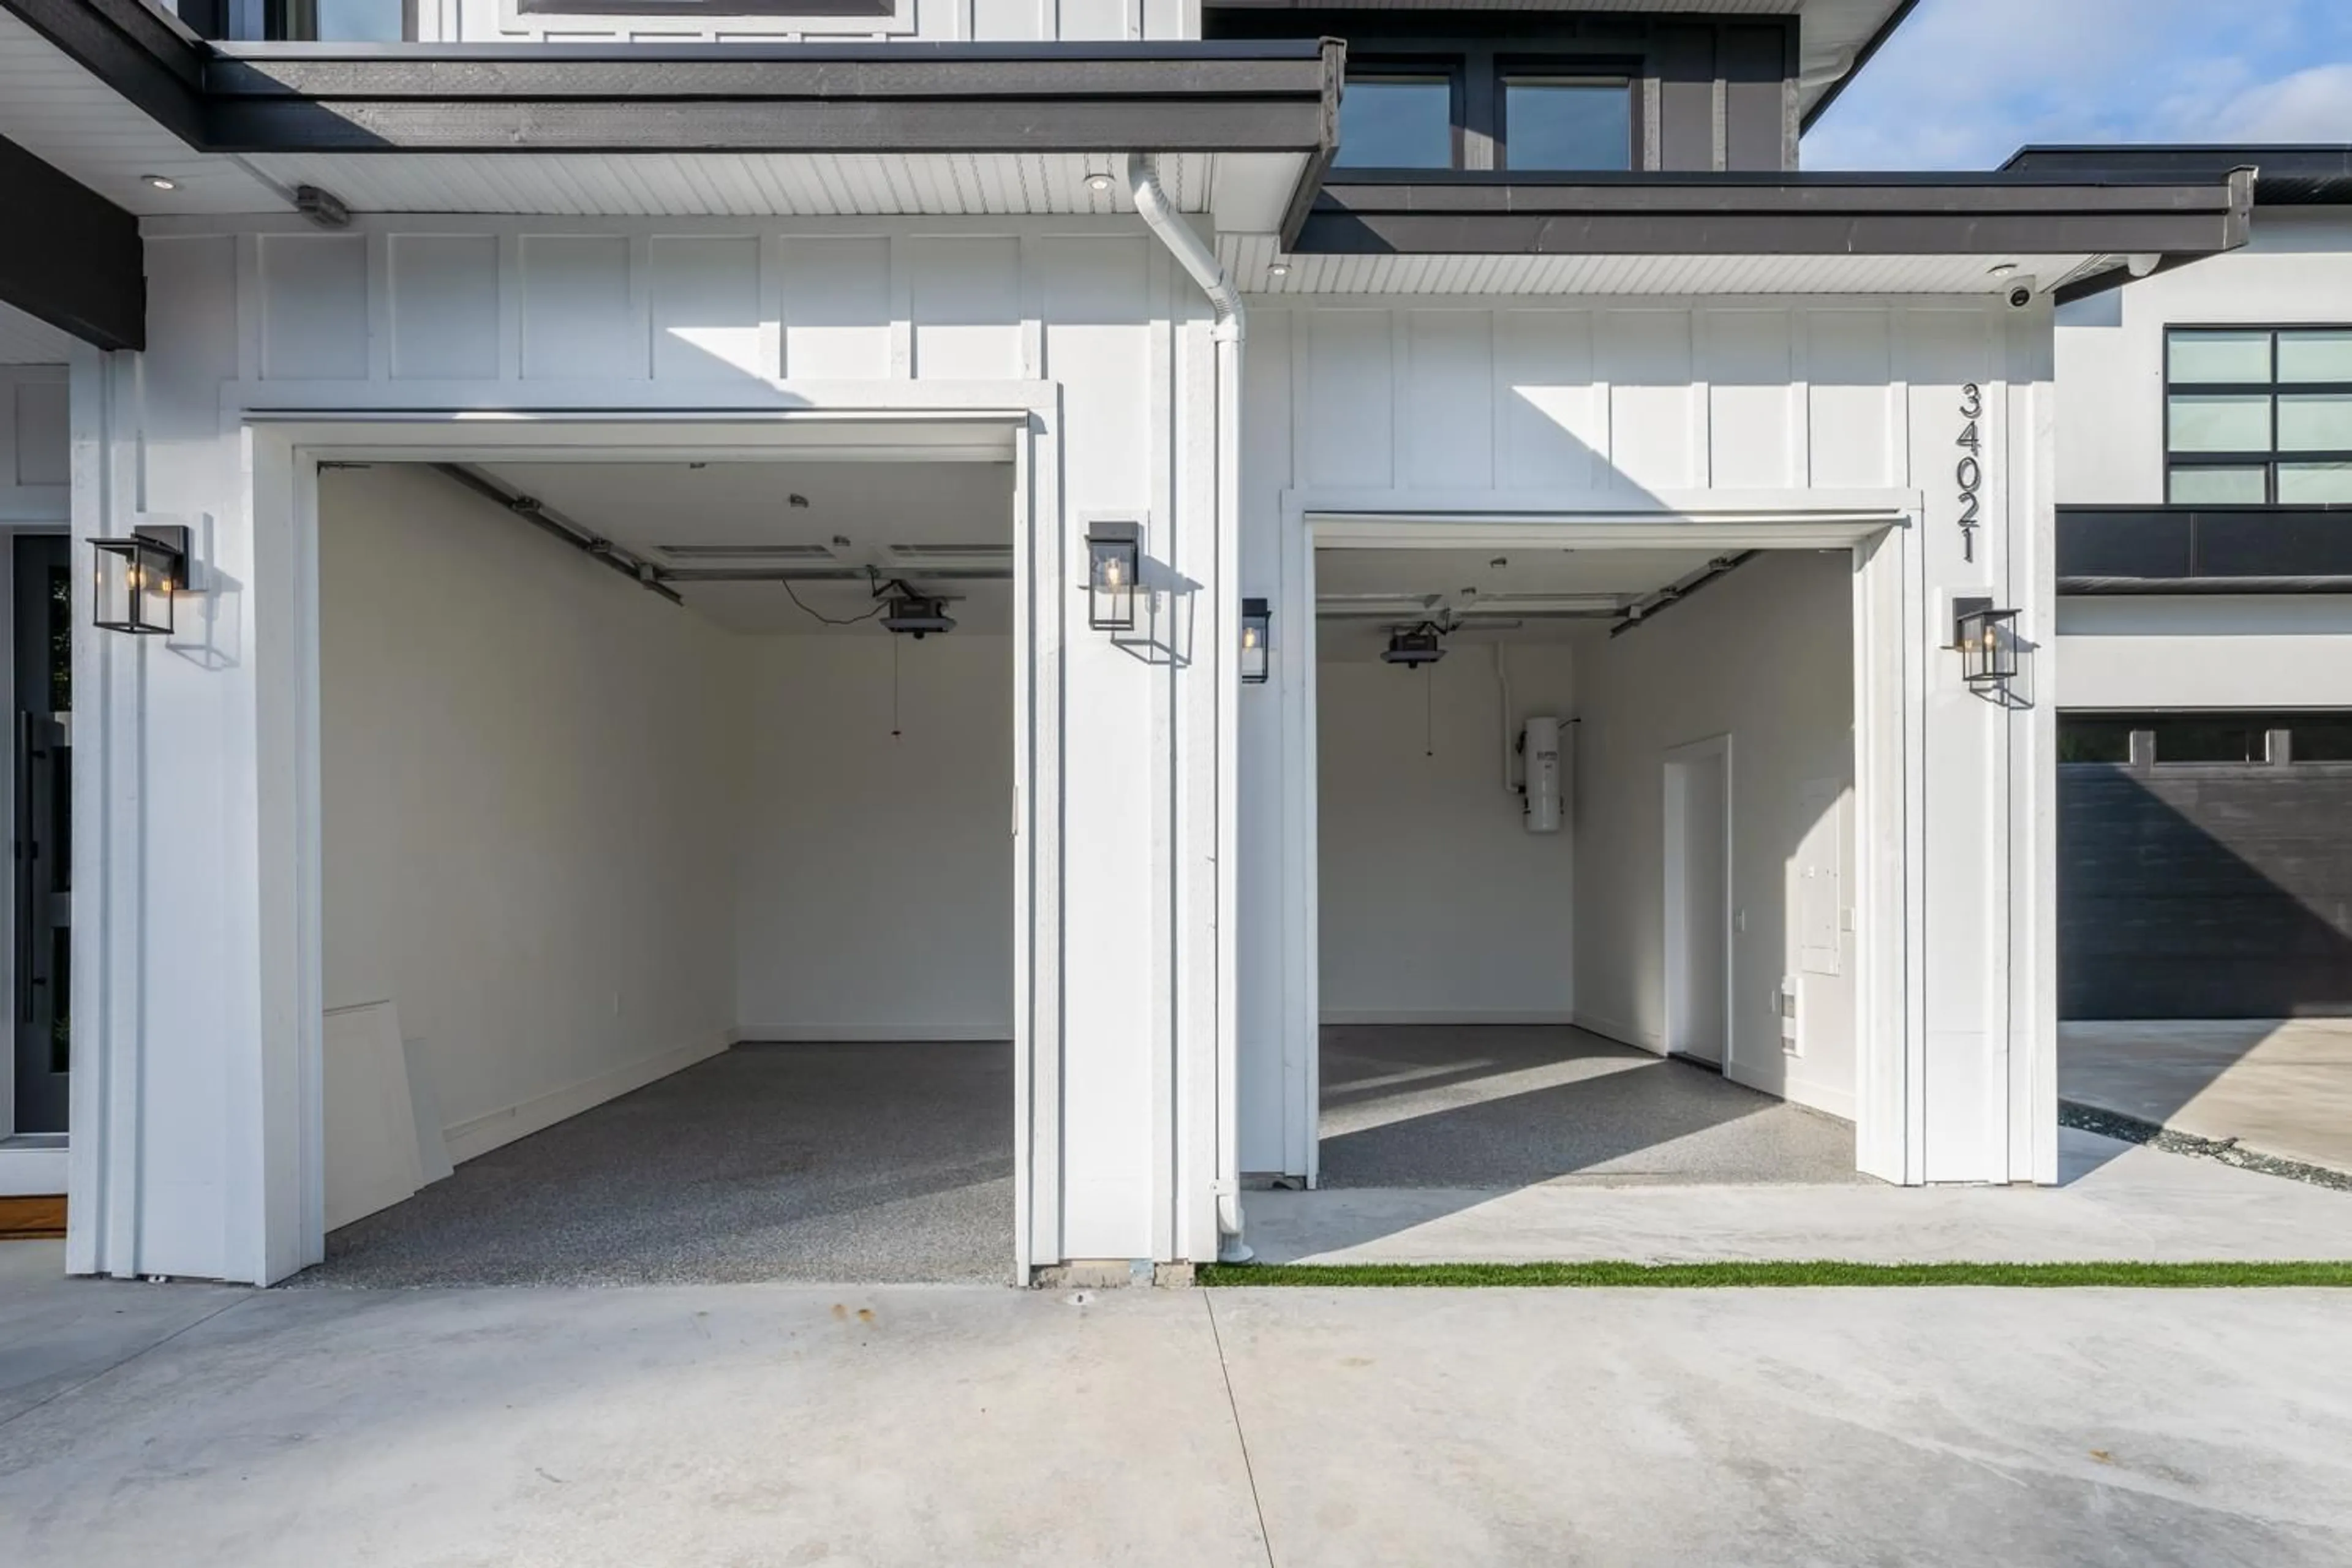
(28, 340)
(55, 110)
(1250, 189)
(1253, 258)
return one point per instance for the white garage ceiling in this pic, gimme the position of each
(897, 518)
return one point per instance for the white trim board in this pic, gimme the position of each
(33, 1173)
(480, 1134)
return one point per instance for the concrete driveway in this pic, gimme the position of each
(2280, 1087)
(794, 1425)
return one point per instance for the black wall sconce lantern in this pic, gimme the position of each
(1986, 641)
(137, 578)
(1114, 561)
(1257, 641)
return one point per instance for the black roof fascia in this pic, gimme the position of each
(68, 256)
(1862, 57)
(1370, 211)
(134, 48)
(890, 97)
(885, 98)
(2285, 174)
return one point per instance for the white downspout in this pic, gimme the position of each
(1228, 334)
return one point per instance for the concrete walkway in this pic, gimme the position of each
(2280, 1087)
(793, 1425)
(2115, 1200)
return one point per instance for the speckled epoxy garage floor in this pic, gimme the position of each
(1507, 1105)
(868, 1162)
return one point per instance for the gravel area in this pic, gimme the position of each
(2228, 1151)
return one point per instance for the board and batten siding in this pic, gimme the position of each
(1782, 407)
(1541, 397)
(1084, 322)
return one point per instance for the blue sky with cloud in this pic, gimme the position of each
(1964, 83)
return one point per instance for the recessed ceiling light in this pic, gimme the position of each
(1278, 269)
(160, 183)
(2002, 268)
(1098, 182)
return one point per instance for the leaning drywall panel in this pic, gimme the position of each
(523, 777)
(373, 1156)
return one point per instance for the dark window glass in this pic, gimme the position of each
(1397, 121)
(2320, 737)
(2210, 737)
(2257, 416)
(2090, 739)
(1552, 124)
(340, 21)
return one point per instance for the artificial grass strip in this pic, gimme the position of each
(1744, 1275)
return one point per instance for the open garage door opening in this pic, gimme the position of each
(667, 903)
(1587, 865)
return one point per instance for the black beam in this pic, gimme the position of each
(2294, 174)
(68, 256)
(1371, 213)
(2184, 549)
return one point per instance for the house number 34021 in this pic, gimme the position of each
(1968, 473)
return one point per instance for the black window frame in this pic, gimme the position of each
(1479, 66)
(2271, 388)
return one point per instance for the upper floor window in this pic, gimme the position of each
(2258, 416)
(343, 21)
(1476, 108)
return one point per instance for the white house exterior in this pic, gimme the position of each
(1126, 275)
(2201, 608)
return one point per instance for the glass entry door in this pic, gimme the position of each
(44, 791)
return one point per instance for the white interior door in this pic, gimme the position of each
(1698, 904)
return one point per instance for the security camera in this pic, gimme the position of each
(2020, 295)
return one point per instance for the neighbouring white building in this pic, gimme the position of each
(2205, 609)
(1119, 336)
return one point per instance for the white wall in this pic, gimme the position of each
(1437, 905)
(1736, 420)
(524, 771)
(2221, 650)
(1079, 325)
(2148, 652)
(2295, 268)
(1764, 656)
(874, 873)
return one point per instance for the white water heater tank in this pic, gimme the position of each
(1539, 796)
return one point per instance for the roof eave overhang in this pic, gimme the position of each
(1775, 214)
(893, 97)
(68, 256)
